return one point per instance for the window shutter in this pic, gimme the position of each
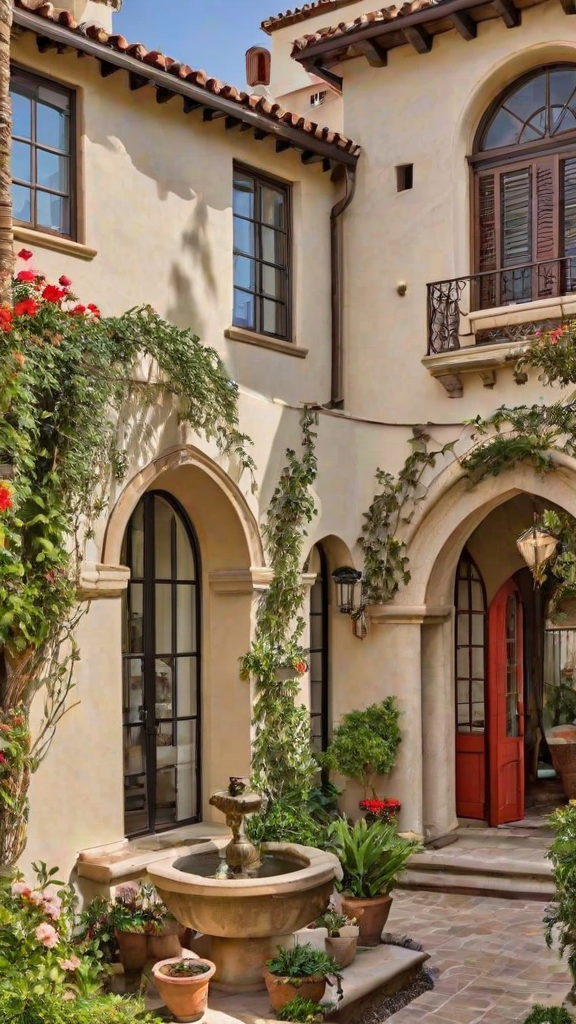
(516, 229)
(546, 225)
(487, 234)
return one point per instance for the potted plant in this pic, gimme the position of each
(365, 744)
(144, 928)
(372, 858)
(183, 985)
(342, 940)
(300, 971)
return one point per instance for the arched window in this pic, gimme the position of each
(319, 680)
(161, 667)
(525, 190)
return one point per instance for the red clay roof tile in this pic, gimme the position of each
(162, 62)
(385, 14)
(311, 10)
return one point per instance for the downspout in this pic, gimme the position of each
(337, 297)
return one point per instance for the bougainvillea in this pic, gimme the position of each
(73, 404)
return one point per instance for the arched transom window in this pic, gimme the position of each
(525, 190)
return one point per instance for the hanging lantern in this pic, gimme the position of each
(537, 546)
(346, 579)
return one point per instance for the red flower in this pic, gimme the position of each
(65, 281)
(5, 497)
(94, 309)
(18, 720)
(25, 254)
(78, 310)
(301, 667)
(26, 276)
(28, 307)
(53, 294)
(6, 318)
(18, 358)
(3, 758)
(50, 576)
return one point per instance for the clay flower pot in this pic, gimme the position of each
(282, 990)
(185, 997)
(371, 916)
(166, 943)
(343, 947)
(133, 948)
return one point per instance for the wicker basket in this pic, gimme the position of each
(564, 761)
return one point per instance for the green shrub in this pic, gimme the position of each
(286, 820)
(24, 1006)
(561, 915)
(302, 961)
(549, 1015)
(365, 744)
(372, 856)
(302, 1011)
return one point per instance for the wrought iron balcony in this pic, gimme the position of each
(451, 302)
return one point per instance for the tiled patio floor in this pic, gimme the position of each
(491, 954)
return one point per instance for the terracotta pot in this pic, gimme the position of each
(133, 948)
(166, 943)
(282, 990)
(371, 916)
(342, 948)
(186, 998)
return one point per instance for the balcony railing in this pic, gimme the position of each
(451, 301)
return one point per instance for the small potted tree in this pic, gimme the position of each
(183, 985)
(372, 858)
(143, 926)
(300, 971)
(365, 745)
(342, 939)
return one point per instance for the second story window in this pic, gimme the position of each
(525, 195)
(261, 254)
(42, 154)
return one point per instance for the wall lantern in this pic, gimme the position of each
(346, 578)
(537, 546)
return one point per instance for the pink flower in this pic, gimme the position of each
(37, 898)
(65, 281)
(70, 965)
(21, 889)
(47, 935)
(52, 905)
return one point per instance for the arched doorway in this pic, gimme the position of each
(319, 648)
(161, 647)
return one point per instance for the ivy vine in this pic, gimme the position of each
(74, 403)
(282, 759)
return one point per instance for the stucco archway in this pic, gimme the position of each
(452, 511)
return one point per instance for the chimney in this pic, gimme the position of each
(92, 12)
(258, 66)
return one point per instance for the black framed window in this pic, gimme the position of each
(161, 668)
(261, 254)
(319, 665)
(43, 146)
(470, 602)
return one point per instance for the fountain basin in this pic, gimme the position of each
(246, 918)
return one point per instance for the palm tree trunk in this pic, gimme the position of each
(6, 229)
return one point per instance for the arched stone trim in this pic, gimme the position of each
(453, 509)
(176, 458)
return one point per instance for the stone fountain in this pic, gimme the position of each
(246, 901)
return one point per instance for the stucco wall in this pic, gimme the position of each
(424, 109)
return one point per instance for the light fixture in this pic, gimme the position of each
(537, 546)
(346, 578)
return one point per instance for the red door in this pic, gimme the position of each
(505, 706)
(470, 626)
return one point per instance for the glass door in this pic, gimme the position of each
(161, 668)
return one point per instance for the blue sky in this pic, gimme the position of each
(208, 34)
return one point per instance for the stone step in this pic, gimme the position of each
(480, 873)
(375, 973)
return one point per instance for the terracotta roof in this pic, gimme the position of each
(382, 16)
(303, 13)
(243, 101)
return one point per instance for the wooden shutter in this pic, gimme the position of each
(568, 225)
(516, 234)
(546, 227)
(487, 257)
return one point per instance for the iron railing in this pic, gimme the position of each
(449, 302)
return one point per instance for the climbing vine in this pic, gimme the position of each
(282, 760)
(386, 567)
(76, 391)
